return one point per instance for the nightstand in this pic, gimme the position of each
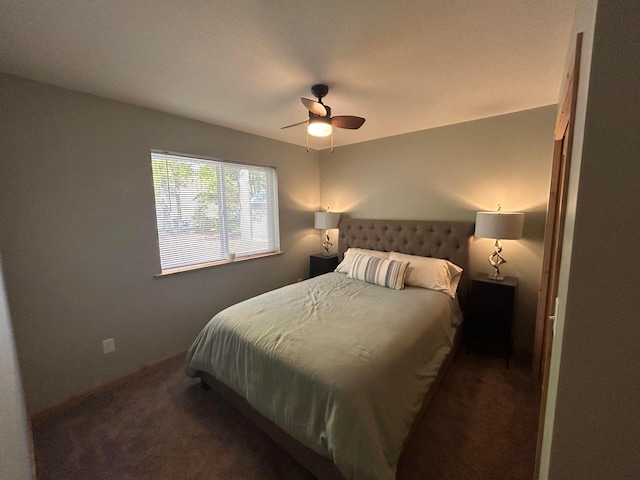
(320, 264)
(492, 311)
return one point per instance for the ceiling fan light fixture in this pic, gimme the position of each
(319, 127)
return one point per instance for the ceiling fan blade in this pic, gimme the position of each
(314, 107)
(295, 124)
(347, 121)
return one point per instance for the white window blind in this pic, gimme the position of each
(206, 209)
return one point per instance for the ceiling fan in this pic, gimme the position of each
(320, 121)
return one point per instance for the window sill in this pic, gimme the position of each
(172, 271)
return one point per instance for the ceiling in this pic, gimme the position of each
(404, 65)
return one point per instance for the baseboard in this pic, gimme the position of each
(102, 388)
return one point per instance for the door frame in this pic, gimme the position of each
(553, 236)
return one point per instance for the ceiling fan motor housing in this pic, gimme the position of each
(320, 90)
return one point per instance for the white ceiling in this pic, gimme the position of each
(404, 65)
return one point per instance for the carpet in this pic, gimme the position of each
(482, 424)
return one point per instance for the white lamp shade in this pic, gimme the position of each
(326, 220)
(499, 225)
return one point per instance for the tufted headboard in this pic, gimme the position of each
(439, 239)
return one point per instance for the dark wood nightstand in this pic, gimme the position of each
(320, 264)
(492, 311)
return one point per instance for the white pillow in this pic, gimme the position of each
(432, 273)
(379, 271)
(345, 265)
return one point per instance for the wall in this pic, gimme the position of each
(449, 173)
(15, 444)
(592, 427)
(79, 240)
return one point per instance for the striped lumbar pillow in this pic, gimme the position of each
(379, 271)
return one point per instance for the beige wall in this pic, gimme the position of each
(15, 439)
(592, 429)
(79, 242)
(449, 173)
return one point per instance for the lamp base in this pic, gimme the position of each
(326, 244)
(495, 259)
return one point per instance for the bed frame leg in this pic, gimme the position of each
(204, 385)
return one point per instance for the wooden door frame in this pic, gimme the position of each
(553, 236)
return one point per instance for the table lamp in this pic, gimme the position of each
(501, 226)
(326, 221)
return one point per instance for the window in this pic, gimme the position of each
(206, 209)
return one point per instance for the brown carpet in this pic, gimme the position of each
(482, 424)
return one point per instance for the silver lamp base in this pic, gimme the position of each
(326, 244)
(495, 259)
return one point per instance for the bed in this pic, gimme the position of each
(338, 369)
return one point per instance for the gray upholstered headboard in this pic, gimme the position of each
(439, 239)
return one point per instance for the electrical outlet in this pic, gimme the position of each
(108, 345)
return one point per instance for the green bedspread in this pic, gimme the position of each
(339, 364)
